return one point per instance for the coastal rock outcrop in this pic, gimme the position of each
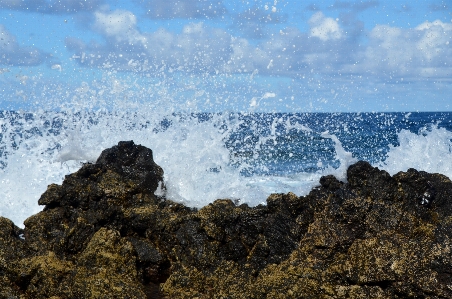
(104, 233)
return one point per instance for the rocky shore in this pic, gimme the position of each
(104, 234)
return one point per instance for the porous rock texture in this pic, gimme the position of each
(104, 234)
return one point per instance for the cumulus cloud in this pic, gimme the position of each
(325, 49)
(52, 6)
(13, 54)
(324, 28)
(434, 40)
(387, 53)
(119, 25)
(424, 51)
(349, 12)
(170, 9)
(196, 48)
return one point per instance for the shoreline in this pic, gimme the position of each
(103, 233)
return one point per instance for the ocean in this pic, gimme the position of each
(206, 156)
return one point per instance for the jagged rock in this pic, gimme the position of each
(104, 234)
(107, 266)
(12, 250)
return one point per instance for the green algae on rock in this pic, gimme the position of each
(104, 234)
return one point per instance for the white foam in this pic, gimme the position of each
(345, 159)
(30, 169)
(430, 150)
(192, 153)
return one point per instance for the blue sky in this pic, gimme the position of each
(219, 55)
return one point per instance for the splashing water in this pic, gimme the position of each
(430, 150)
(243, 156)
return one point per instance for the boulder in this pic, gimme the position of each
(103, 233)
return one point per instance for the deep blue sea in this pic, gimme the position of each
(205, 156)
(297, 142)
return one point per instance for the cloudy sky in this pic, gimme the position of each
(281, 55)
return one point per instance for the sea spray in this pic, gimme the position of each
(206, 156)
(429, 150)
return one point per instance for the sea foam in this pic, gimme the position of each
(41, 148)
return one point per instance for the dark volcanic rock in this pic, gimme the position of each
(104, 234)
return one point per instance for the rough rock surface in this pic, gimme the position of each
(104, 234)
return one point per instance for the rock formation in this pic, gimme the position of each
(104, 234)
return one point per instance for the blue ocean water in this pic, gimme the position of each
(296, 142)
(206, 156)
(268, 143)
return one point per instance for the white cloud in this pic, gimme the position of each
(196, 48)
(119, 25)
(244, 57)
(424, 51)
(11, 53)
(162, 40)
(429, 25)
(324, 28)
(7, 40)
(383, 52)
(435, 39)
(388, 49)
(194, 28)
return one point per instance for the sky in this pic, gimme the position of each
(281, 55)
